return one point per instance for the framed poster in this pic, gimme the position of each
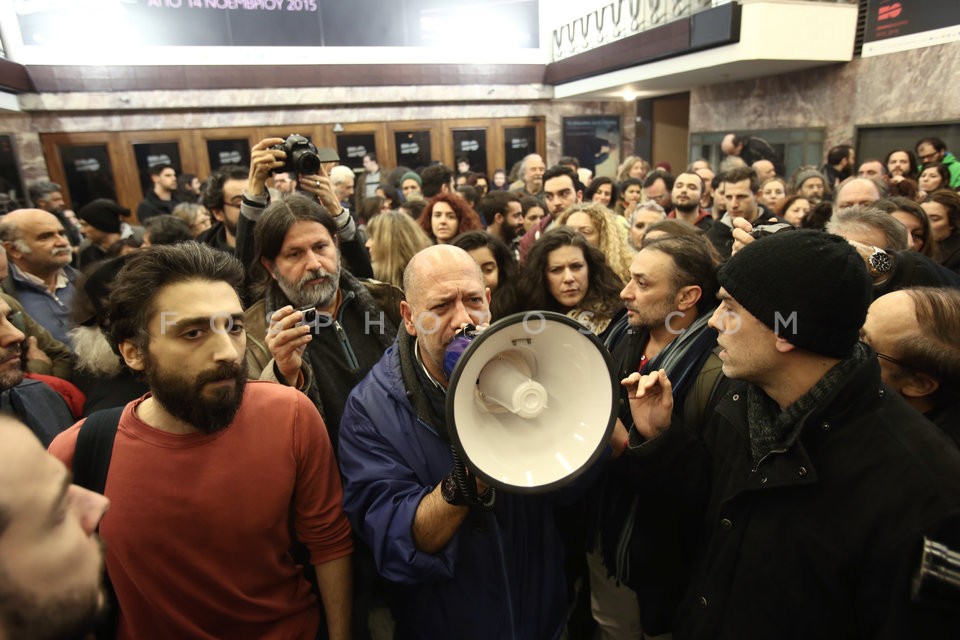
(89, 173)
(353, 146)
(12, 195)
(518, 142)
(150, 154)
(413, 149)
(228, 152)
(472, 144)
(594, 141)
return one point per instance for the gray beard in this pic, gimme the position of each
(318, 296)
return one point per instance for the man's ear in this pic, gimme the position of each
(406, 312)
(919, 385)
(266, 264)
(579, 196)
(688, 297)
(217, 214)
(132, 355)
(784, 345)
(12, 250)
(498, 218)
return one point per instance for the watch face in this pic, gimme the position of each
(881, 261)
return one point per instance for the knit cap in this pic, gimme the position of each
(103, 214)
(411, 175)
(806, 174)
(810, 287)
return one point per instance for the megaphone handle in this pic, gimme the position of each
(468, 486)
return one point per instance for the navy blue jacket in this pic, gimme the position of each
(500, 577)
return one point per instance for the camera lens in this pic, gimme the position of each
(306, 161)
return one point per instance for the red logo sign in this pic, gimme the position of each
(889, 11)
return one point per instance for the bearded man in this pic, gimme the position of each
(210, 476)
(314, 326)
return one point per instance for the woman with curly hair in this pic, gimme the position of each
(602, 231)
(564, 273)
(447, 215)
(394, 238)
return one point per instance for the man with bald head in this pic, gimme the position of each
(853, 191)
(493, 569)
(914, 334)
(41, 277)
(764, 170)
(50, 560)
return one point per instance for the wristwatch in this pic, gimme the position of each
(879, 263)
(451, 493)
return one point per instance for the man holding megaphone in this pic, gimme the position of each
(493, 569)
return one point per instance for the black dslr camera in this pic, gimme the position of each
(302, 157)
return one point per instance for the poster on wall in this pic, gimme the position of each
(150, 154)
(594, 141)
(89, 174)
(228, 152)
(898, 25)
(353, 146)
(12, 195)
(518, 142)
(413, 149)
(472, 145)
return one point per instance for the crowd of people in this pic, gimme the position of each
(250, 373)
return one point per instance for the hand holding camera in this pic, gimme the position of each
(265, 160)
(287, 337)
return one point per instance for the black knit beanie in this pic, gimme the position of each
(810, 287)
(103, 214)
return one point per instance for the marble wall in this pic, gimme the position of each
(906, 87)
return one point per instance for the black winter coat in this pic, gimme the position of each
(822, 540)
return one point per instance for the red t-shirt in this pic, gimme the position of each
(197, 534)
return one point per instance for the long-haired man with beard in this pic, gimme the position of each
(210, 475)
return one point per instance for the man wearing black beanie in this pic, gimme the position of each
(817, 484)
(100, 225)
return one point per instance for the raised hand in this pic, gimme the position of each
(651, 402)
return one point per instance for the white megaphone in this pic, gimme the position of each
(530, 401)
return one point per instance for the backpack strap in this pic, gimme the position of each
(91, 461)
(91, 458)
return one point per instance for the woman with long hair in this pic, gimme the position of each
(498, 266)
(793, 209)
(914, 218)
(564, 273)
(394, 238)
(447, 215)
(943, 210)
(598, 226)
(604, 191)
(934, 176)
(633, 167)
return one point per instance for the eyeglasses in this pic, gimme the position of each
(231, 204)
(884, 356)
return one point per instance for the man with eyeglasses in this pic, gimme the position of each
(935, 150)
(222, 195)
(657, 186)
(914, 334)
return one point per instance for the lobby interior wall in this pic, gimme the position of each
(164, 110)
(914, 86)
